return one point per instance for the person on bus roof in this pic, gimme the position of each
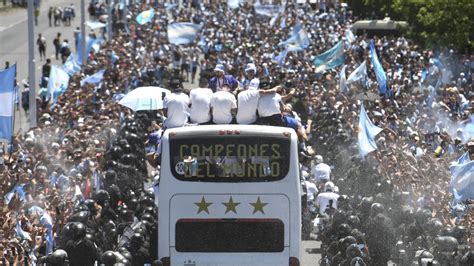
(250, 81)
(271, 105)
(200, 109)
(223, 106)
(176, 106)
(220, 79)
(247, 101)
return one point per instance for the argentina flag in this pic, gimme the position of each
(299, 39)
(359, 74)
(462, 181)
(366, 133)
(94, 79)
(268, 10)
(58, 82)
(330, 59)
(183, 32)
(72, 65)
(7, 93)
(145, 16)
(379, 73)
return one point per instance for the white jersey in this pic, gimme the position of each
(248, 103)
(178, 109)
(322, 201)
(321, 172)
(222, 102)
(200, 105)
(269, 105)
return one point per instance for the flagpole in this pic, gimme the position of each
(83, 32)
(109, 20)
(31, 64)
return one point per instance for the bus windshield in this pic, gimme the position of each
(229, 158)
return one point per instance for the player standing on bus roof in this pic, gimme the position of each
(200, 109)
(250, 82)
(270, 105)
(220, 79)
(176, 106)
(247, 101)
(223, 106)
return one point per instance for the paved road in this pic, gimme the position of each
(311, 253)
(14, 42)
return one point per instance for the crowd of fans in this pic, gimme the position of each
(79, 176)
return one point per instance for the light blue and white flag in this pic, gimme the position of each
(342, 80)
(20, 233)
(145, 16)
(58, 82)
(95, 25)
(183, 32)
(462, 160)
(359, 74)
(36, 210)
(233, 4)
(281, 57)
(46, 220)
(298, 40)
(94, 79)
(379, 72)
(268, 10)
(114, 58)
(330, 59)
(349, 36)
(18, 189)
(463, 181)
(49, 241)
(283, 22)
(366, 134)
(169, 6)
(7, 98)
(72, 65)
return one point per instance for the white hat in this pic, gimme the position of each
(250, 66)
(318, 158)
(329, 186)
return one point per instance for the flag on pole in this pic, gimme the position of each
(342, 80)
(58, 82)
(281, 57)
(298, 40)
(94, 79)
(379, 73)
(330, 59)
(183, 32)
(349, 36)
(366, 133)
(72, 65)
(359, 74)
(7, 98)
(145, 16)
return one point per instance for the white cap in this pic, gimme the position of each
(318, 159)
(329, 186)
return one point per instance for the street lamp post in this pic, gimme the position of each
(31, 63)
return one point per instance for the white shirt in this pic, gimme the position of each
(269, 105)
(200, 105)
(178, 109)
(248, 104)
(311, 190)
(322, 201)
(222, 102)
(321, 172)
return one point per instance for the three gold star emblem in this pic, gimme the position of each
(258, 206)
(203, 205)
(230, 206)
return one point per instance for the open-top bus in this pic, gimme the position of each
(229, 195)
